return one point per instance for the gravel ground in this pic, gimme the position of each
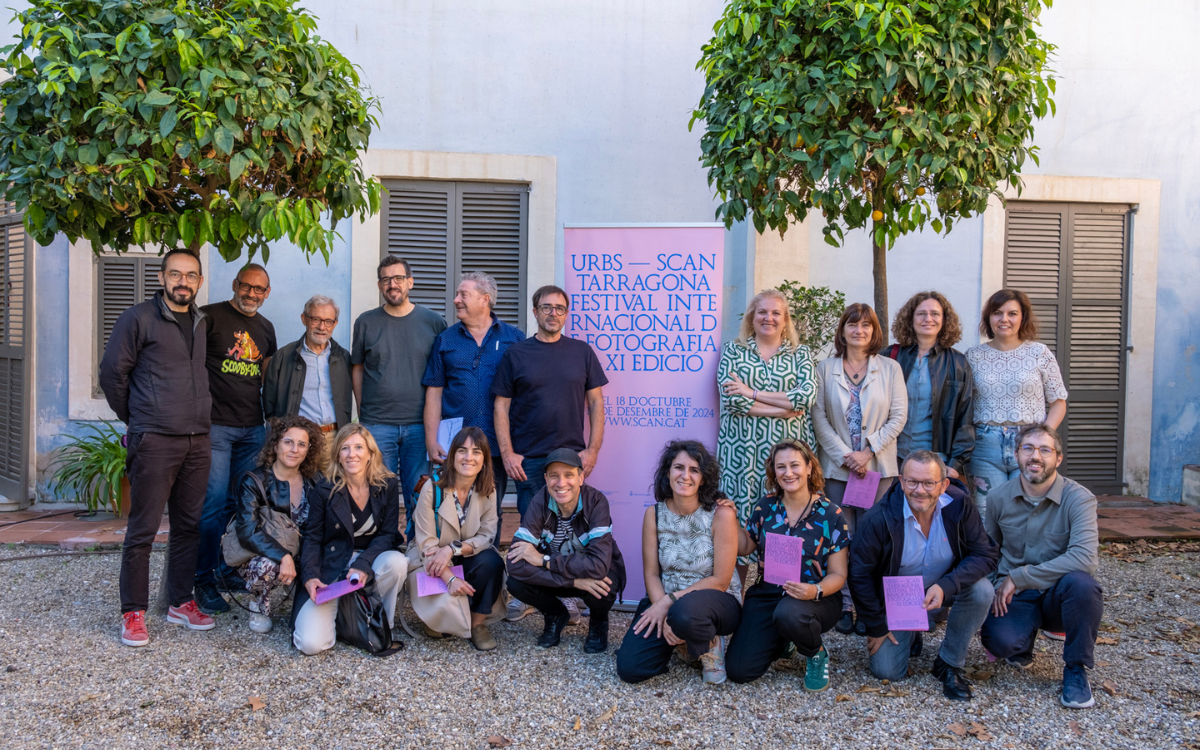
(66, 681)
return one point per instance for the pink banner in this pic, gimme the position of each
(648, 300)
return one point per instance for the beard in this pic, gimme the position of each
(181, 295)
(1038, 473)
(246, 305)
(395, 297)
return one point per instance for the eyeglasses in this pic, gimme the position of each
(1045, 451)
(552, 309)
(321, 322)
(247, 288)
(288, 444)
(393, 280)
(192, 276)
(928, 485)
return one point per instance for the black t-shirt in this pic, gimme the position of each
(547, 384)
(238, 348)
(184, 319)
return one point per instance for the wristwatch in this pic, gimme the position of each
(457, 547)
(820, 593)
(545, 561)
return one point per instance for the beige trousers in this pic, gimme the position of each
(315, 625)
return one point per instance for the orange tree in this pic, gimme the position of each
(180, 123)
(899, 113)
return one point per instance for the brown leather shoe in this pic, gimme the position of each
(482, 638)
(431, 633)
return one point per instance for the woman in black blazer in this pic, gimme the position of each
(353, 530)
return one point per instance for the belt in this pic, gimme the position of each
(328, 427)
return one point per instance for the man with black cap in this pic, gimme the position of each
(565, 548)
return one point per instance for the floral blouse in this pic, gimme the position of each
(823, 530)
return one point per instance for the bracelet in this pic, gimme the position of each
(452, 577)
(672, 597)
(754, 397)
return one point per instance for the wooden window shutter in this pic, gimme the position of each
(1071, 261)
(14, 303)
(121, 283)
(446, 228)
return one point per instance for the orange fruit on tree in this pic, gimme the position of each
(920, 191)
(812, 150)
(877, 215)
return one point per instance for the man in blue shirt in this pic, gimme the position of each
(926, 525)
(458, 377)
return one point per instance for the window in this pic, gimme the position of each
(121, 282)
(14, 364)
(443, 229)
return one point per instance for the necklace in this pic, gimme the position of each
(803, 513)
(856, 373)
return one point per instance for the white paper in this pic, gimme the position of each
(447, 429)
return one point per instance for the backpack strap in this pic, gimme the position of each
(894, 351)
(437, 503)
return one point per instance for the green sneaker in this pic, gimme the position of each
(816, 675)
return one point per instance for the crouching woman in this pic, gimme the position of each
(353, 530)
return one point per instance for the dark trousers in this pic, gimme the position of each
(485, 573)
(500, 476)
(1073, 606)
(545, 599)
(234, 452)
(770, 619)
(697, 618)
(170, 471)
(535, 479)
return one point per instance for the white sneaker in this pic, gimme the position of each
(714, 663)
(516, 609)
(572, 610)
(259, 622)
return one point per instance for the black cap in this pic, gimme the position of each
(564, 456)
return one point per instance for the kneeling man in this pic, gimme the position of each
(926, 525)
(1046, 527)
(565, 548)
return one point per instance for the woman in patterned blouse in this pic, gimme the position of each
(689, 547)
(798, 611)
(767, 388)
(1017, 383)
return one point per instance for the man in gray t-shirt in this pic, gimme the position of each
(390, 349)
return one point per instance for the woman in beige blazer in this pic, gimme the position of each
(458, 532)
(861, 408)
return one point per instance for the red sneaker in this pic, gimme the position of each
(133, 629)
(190, 616)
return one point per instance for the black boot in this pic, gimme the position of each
(918, 645)
(597, 637)
(954, 681)
(209, 600)
(552, 633)
(846, 624)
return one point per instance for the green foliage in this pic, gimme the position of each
(850, 107)
(182, 122)
(815, 313)
(89, 468)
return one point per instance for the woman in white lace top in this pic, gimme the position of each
(1017, 383)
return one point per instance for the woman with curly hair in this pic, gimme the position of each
(938, 377)
(689, 549)
(283, 481)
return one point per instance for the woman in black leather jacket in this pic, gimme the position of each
(940, 390)
(353, 531)
(284, 480)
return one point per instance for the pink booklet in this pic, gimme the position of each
(341, 588)
(427, 584)
(860, 492)
(902, 598)
(783, 558)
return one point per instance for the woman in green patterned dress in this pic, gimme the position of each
(767, 388)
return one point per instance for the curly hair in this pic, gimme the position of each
(278, 428)
(856, 312)
(906, 335)
(485, 483)
(816, 478)
(710, 472)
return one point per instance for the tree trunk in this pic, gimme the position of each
(879, 272)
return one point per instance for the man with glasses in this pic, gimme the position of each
(390, 350)
(153, 376)
(311, 377)
(926, 525)
(1046, 527)
(542, 387)
(461, 368)
(240, 343)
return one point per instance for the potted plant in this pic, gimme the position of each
(90, 469)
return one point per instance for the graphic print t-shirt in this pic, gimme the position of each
(238, 347)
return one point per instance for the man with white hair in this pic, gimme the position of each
(461, 367)
(311, 377)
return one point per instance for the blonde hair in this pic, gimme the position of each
(789, 328)
(377, 473)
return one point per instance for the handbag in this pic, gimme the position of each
(362, 622)
(278, 526)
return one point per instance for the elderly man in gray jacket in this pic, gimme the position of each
(1046, 527)
(311, 377)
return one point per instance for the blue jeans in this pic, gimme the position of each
(535, 480)
(403, 449)
(234, 452)
(1073, 606)
(968, 610)
(994, 461)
